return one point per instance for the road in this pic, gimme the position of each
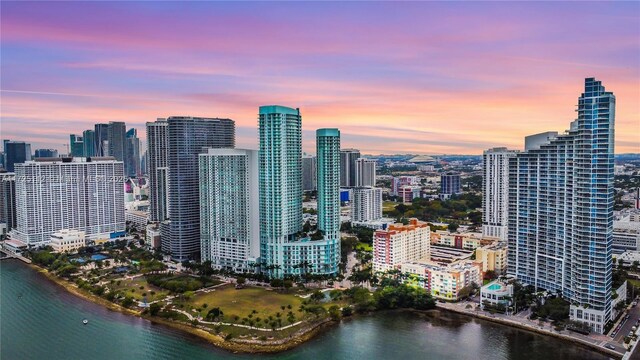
(634, 315)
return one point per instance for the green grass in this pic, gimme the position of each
(242, 302)
(634, 282)
(389, 205)
(127, 285)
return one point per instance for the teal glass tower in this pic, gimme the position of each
(284, 248)
(280, 182)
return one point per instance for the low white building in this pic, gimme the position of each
(67, 240)
(496, 293)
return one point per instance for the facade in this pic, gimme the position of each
(101, 139)
(467, 241)
(348, 159)
(187, 137)
(157, 158)
(7, 202)
(400, 244)
(152, 240)
(400, 181)
(67, 240)
(76, 145)
(309, 176)
(495, 192)
(366, 204)
(561, 209)
(493, 257)
(365, 172)
(280, 182)
(449, 185)
(16, 152)
(68, 193)
(88, 143)
(136, 218)
(229, 214)
(409, 192)
(626, 235)
(132, 153)
(443, 281)
(40, 153)
(116, 134)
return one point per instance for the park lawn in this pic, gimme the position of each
(134, 284)
(364, 247)
(242, 302)
(389, 205)
(634, 282)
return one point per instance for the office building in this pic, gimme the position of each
(157, 167)
(68, 193)
(408, 193)
(229, 210)
(365, 172)
(309, 177)
(495, 192)
(187, 137)
(76, 145)
(449, 185)
(89, 143)
(46, 153)
(132, 153)
(400, 244)
(366, 204)
(561, 209)
(116, 134)
(348, 159)
(16, 152)
(101, 139)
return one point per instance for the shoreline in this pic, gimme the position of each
(299, 337)
(514, 324)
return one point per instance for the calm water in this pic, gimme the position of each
(39, 320)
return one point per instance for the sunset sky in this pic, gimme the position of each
(432, 78)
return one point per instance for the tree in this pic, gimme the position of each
(154, 309)
(241, 280)
(452, 227)
(214, 314)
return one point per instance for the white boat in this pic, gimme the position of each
(85, 321)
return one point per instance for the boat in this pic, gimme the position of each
(85, 321)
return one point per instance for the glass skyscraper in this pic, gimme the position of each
(284, 248)
(561, 209)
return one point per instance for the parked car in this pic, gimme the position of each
(609, 346)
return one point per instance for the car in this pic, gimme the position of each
(609, 346)
(634, 303)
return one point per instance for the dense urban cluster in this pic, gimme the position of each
(259, 245)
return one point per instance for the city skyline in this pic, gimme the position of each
(393, 81)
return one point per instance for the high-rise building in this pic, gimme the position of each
(76, 145)
(116, 138)
(7, 201)
(16, 152)
(187, 137)
(365, 172)
(495, 192)
(68, 193)
(42, 153)
(283, 248)
(366, 204)
(101, 139)
(400, 244)
(157, 162)
(280, 175)
(229, 214)
(328, 152)
(132, 153)
(561, 209)
(309, 176)
(400, 181)
(449, 185)
(89, 143)
(348, 159)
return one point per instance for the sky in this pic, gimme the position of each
(418, 77)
